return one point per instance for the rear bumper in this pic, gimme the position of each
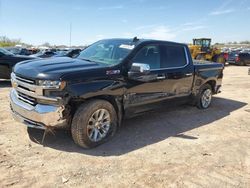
(231, 62)
(38, 116)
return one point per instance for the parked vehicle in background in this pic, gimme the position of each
(18, 51)
(8, 60)
(232, 56)
(73, 53)
(239, 58)
(44, 54)
(33, 51)
(108, 81)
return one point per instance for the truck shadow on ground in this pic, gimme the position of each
(5, 83)
(147, 129)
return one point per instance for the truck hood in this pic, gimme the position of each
(53, 68)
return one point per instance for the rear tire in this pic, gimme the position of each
(204, 98)
(94, 123)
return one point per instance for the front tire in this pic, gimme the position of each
(94, 123)
(204, 98)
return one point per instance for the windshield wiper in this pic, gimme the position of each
(89, 60)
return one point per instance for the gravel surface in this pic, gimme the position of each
(175, 147)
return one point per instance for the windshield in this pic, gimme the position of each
(5, 52)
(110, 52)
(200, 42)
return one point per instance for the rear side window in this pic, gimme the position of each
(173, 56)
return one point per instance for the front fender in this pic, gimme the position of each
(85, 90)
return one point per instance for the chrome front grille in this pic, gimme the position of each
(27, 91)
(26, 98)
(25, 80)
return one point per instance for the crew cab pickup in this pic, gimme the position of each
(109, 80)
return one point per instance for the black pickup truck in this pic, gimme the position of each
(109, 80)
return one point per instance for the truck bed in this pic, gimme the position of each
(206, 65)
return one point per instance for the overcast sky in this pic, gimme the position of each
(39, 21)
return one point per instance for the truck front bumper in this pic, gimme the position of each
(39, 116)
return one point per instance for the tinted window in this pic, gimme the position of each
(149, 55)
(173, 56)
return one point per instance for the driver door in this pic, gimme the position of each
(143, 90)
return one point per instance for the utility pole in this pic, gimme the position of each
(70, 31)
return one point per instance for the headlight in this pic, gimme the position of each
(49, 84)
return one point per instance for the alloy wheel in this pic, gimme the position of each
(98, 125)
(206, 98)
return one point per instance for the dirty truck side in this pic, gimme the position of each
(110, 80)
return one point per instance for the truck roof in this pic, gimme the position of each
(138, 41)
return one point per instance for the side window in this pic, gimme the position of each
(173, 56)
(149, 55)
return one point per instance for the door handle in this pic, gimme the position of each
(189, 74)
(161, 77)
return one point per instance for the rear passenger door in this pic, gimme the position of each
(177, 69)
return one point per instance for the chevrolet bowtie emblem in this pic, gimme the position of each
(14, 84)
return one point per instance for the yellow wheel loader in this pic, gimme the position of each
(201, 49)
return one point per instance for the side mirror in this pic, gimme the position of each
(140, 68)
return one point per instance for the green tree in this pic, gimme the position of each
(6, 42)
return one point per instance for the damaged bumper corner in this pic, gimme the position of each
(39, 116)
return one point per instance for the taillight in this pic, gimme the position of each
(237, 59)
(226, 56)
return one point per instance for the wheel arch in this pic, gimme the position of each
(115, 101)
(212, 83)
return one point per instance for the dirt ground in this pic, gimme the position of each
(177, 147)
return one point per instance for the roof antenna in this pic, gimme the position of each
(135, 39)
